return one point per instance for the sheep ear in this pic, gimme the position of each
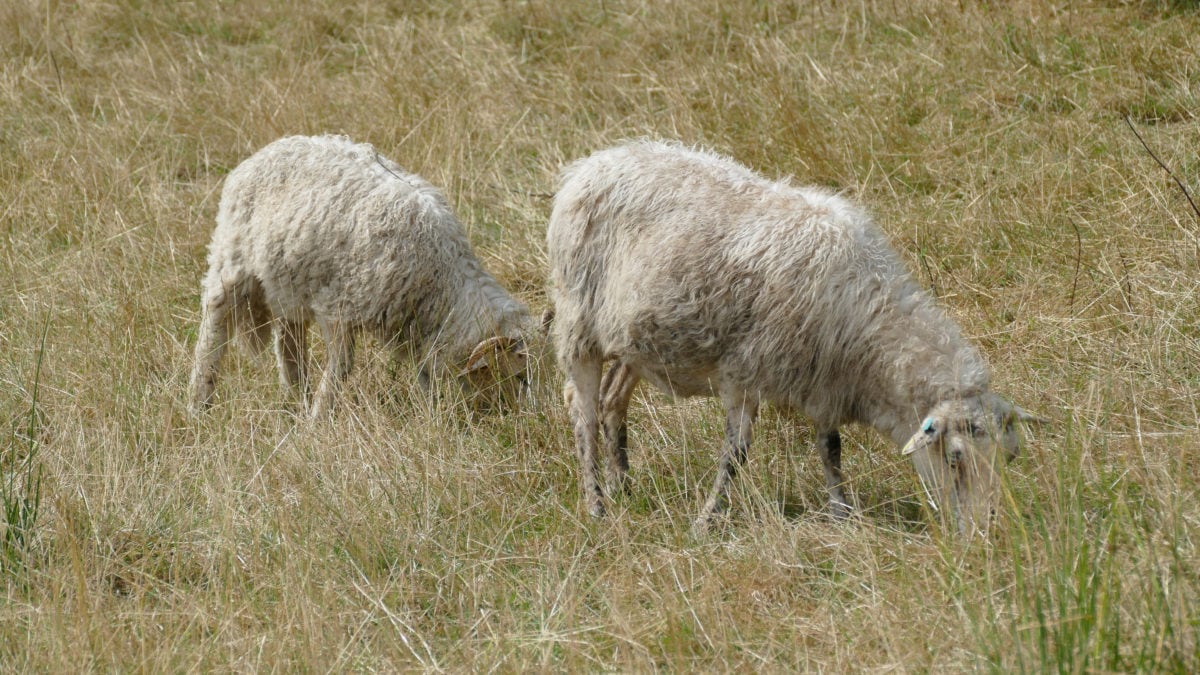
(1028, 417)
(493, 351)
(928, 433)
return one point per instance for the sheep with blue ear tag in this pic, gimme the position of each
(686, 269)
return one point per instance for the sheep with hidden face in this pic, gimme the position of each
(322, 229)
(692, 272)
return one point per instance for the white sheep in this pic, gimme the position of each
(694, 273)
(322, 229)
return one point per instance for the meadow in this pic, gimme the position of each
(994, 142)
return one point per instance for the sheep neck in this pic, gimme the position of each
(480, 309)
(924, 362)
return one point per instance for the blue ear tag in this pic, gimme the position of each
(927, 425)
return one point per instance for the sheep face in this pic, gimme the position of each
(959, 453)
(495, 377)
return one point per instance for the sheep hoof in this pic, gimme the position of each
(618, 487)
(705, 525)
(596, 510)
(840, 511)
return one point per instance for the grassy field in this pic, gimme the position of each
(988, 138)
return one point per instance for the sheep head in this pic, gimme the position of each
(959, 452)
(495, 376)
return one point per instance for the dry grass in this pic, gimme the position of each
(989, 141)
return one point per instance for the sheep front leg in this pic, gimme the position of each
(210, 346)
(339, 343)
(291, 353)
(615, 391)
(582, 391)
(740, 412)
(829, 444)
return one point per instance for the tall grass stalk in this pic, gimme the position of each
(21, 486)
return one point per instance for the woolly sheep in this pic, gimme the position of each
(694, 273)
(322, 229)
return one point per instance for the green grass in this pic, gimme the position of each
(21, 487)
(989, 140)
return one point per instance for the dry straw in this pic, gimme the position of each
(405, 535)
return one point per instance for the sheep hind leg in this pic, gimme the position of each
(291, 353)
(339, 345)
(582, 391)
(829, 444)
(739, 422)
(210, 347)
(615, 391)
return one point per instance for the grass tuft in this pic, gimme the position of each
(21, 484)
